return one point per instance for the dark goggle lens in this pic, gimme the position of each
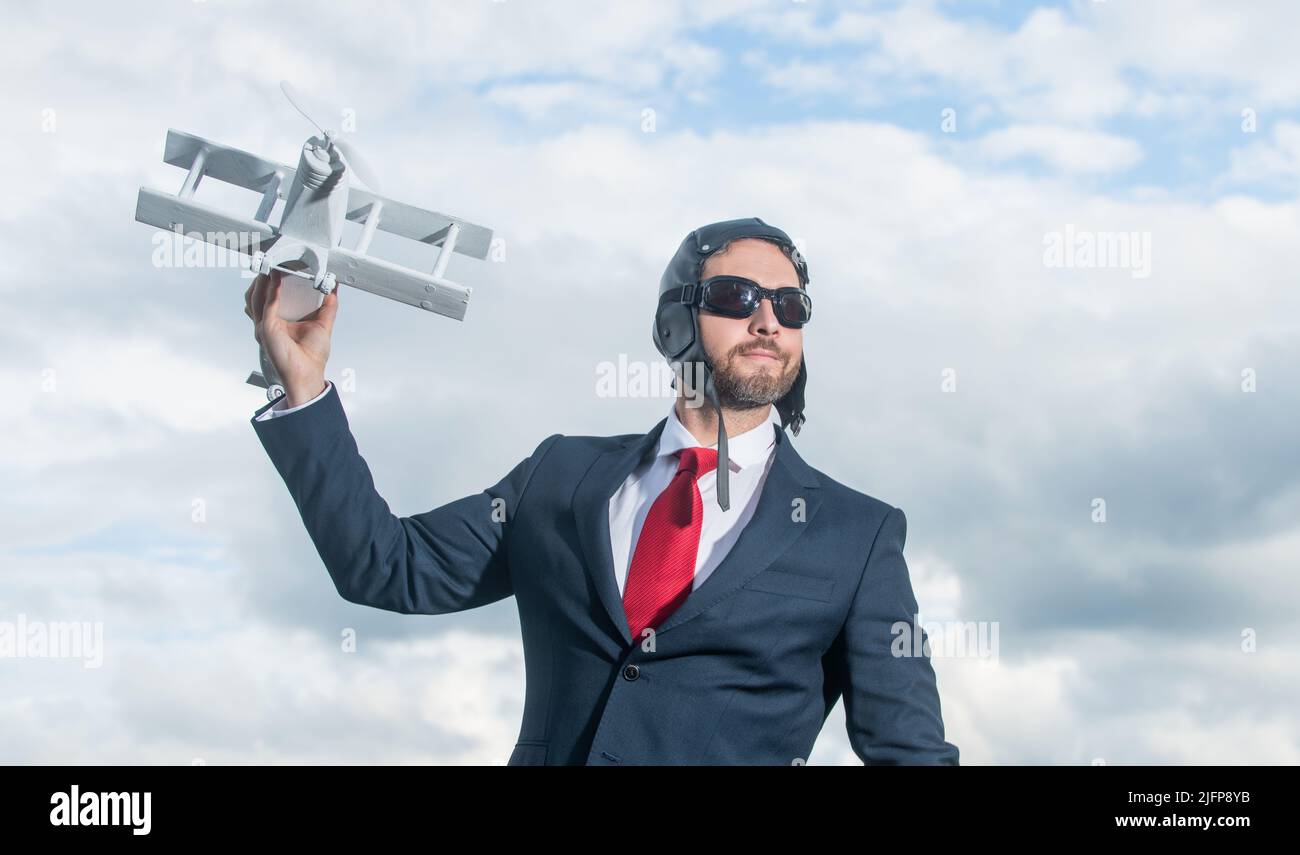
(793, 307)
(740, 298)
(732, 297)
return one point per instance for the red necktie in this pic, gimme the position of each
(663, 565)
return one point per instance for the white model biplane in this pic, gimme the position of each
(306, 242)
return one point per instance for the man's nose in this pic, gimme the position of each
(764, 318)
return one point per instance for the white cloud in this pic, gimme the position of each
(1066, 149)
(1274, 164)
(540, 100)
(1094, 62)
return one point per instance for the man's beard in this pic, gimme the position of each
(740, 390)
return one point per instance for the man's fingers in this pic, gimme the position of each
(258, 296)
(248, 298)
(326, 311)
(272, 305)
(330, 308)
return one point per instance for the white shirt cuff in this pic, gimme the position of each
(279, 408)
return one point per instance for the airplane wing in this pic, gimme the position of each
(418, 224)
(225, 163)
(368, 273)
(195, 219)
(238, 167)
(422, 290)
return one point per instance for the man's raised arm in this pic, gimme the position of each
(444, 560)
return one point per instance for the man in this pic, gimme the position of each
(671, 613)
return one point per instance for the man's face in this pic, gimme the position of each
(755, 359)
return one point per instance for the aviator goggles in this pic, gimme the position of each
(738, 297)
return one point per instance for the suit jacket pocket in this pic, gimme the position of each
(792, 585)
(529, 752)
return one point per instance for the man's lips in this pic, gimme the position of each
(762, 354)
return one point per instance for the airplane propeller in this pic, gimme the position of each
(349, 152)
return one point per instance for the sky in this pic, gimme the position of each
(1095, 452)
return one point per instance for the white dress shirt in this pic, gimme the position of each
(751, 456)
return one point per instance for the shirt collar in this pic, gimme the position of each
(745, 449)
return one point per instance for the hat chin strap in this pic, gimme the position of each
(790, 406)
(724, 459)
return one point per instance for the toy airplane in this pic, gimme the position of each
(306, 243)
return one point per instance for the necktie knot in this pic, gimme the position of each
(697, 460)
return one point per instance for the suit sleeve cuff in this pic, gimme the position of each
(277, 407)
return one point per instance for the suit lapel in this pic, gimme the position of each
(591, 511)
(772, 530)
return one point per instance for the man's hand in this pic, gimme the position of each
(297, 349)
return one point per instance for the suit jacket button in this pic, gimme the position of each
(631, 672)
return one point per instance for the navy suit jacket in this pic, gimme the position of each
(798, 614)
